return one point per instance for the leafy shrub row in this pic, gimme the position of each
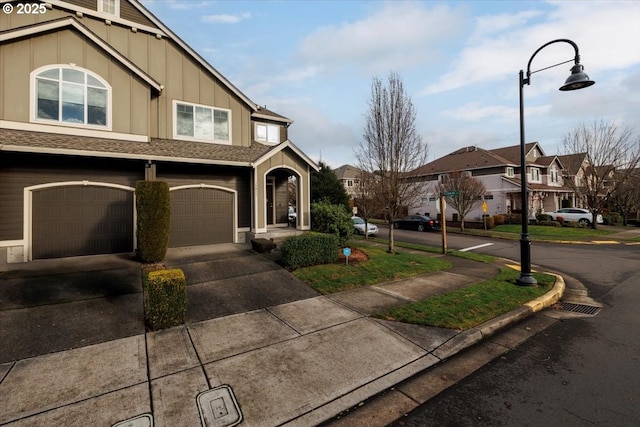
(165, 298)
(153, 208)
(309, 249)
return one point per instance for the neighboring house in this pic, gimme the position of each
(499, 170)
(349, 176)
(98, 94)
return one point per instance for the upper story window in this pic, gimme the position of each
(110, 7)
(201, 123)
(349, 183)
(267, 133)
(442, 177)
(553, 175)
(510, 171)
(535, 175)
(71, 95)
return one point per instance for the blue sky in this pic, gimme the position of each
(314, 60)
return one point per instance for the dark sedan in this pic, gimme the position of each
(417, 222)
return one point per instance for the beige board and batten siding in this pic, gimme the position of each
(161, 58)
(130, 95)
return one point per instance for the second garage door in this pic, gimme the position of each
(201, 216)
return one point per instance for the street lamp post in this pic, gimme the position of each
(577, 80)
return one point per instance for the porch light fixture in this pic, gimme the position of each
(577, 80)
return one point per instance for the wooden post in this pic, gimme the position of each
(443, 224)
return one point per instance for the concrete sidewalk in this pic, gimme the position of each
(298, 363)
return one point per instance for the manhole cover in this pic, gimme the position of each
(578, 308)
(218, 408)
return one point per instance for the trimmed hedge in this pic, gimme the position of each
(165, 298)
(153, 207)
(309, 249)
(498, 219)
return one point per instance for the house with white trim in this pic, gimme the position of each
(98, 94)
(499, 170)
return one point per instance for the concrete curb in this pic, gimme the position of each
(463, 341)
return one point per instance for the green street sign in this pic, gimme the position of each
(451, 193)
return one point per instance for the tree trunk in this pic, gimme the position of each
(462, 224)
(390, 249)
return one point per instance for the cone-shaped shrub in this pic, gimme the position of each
(153, 207)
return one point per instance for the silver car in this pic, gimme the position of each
(358, 227)
(583, 216)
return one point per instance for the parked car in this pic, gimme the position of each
(358, 226)
(417, 222)
(292, 215)
(583, 216)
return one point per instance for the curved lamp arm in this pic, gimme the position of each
(576, 59)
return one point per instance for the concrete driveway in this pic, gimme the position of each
(53, 305)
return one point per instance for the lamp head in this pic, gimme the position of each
(577, 80)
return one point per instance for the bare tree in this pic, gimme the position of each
(391, 146)
(468, 193)
(626, 199)
(612, 154)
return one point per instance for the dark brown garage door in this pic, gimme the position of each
(201, 216)
(81, 220)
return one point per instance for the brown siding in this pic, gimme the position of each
(130, 13)
(87, 4)
(23, 170)
(232, 178)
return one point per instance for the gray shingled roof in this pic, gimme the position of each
(156, 149)
(347, 172)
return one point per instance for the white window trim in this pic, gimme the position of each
(33, 99)
(116, 12)
(188, 138)
(531, 178)
(266, 141)
(510, 171)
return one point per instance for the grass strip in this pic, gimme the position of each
(379, 268)
(471, 306)
(433, 249)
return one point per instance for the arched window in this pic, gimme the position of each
(71, 95)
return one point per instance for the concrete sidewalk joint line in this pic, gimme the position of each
(288, 357)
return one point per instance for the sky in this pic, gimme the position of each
(314, 61)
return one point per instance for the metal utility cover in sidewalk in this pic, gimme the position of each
(218, 408)
(145, 420)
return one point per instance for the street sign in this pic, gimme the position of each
(484, 206)
(451, 193)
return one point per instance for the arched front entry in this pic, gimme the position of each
(281, 192)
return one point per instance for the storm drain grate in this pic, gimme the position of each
(578, 308)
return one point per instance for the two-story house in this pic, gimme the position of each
(499, 171)
(349, 176)
(98, 94)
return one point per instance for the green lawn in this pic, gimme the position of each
(432, 249)
(471, 306)
(381, 267)
(549, 233)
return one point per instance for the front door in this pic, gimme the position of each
(270, 189)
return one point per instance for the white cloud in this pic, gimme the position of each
(605, 31)
(396, 36)
(226, 18)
